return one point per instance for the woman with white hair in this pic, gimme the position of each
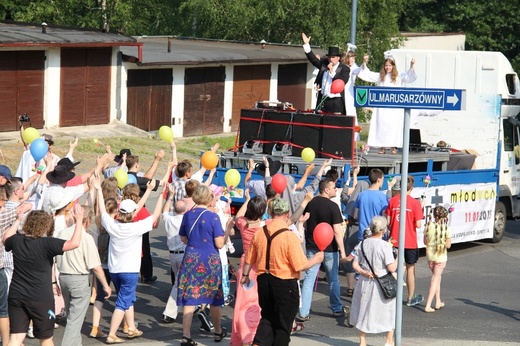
(371, 312)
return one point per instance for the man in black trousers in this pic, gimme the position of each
(330, 69)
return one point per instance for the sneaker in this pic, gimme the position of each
(303, 318)
(149, 280)
(205, 323)
(417, 299)
(229, 299)
(340, 313)
(30, 333)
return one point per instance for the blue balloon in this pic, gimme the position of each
(131, 179)
(39, 149)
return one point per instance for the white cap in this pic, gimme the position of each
(127, 206)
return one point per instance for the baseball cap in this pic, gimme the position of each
(280, 206)
(5, 172)
(127, 206)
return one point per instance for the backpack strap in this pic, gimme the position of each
(269, 240)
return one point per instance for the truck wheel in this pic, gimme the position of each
(500, 222)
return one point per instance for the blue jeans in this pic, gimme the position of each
(330, 264)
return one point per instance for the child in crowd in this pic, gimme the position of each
(437, 238)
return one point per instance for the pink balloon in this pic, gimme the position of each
(279, 182)
(323, 235)
(337, 86)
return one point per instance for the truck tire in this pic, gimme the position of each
(499, 226)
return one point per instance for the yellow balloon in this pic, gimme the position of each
(308, 155)
(122, 177)
(209, 160)
(166, 133)
(232, 178)
(30, 134)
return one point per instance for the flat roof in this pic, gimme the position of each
(190, 51)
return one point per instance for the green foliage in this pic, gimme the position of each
(488, 25)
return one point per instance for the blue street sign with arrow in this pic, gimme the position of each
(411, 98)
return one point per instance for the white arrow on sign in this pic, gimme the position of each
(453, 99)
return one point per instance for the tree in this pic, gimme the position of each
(489, 25)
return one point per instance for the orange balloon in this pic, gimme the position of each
(209, 160)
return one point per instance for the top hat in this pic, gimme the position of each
(333, 51)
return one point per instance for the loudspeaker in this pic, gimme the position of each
(337, 141)
(276, 132)
(251, 129)
(306, 136)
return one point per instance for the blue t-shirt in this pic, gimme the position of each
(370, 203)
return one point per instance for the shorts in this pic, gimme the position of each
(4, 288)
(350, 244)
(433, 265)
(100, 293)
(41, 313)
(125, 284)
(411, 256)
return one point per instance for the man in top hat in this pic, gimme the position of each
(330, 69)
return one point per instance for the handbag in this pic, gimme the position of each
(387, 282)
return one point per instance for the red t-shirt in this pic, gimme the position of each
(75, 181)
(413, 214)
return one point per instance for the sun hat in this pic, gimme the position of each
(60, 175)
(59, 198)
(127, 206)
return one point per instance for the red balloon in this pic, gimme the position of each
(279, 182)
(337, 86)
(323, 235)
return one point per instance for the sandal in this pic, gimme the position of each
(218, 337)
(297, 327)
(188, 342)
(350, 292)
(113, 339)
(394, 151)
(382, 150)
(440, 306)
(134, 333)
(428, 309)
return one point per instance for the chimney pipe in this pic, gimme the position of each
(44, 28)
(169, 44)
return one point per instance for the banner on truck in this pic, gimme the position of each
(473, 209)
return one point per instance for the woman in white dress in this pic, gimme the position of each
(349, 58)
(386, 125)
(371, 312)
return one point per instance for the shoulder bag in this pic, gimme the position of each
(387, 282)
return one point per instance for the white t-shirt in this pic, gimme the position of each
(124, 250)
(172, 223)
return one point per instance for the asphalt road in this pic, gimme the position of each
(480, 288)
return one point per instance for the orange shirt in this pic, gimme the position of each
(287, 258)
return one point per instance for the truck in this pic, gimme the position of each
(467, 161)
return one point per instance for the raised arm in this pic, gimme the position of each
(159, 155)
(73, 242)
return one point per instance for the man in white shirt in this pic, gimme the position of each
(172, 223)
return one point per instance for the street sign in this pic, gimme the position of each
(411, 98)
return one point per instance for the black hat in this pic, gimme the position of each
(333, 51)
(121, 153)
(60, 175)
(274, 167)
(67, 163)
